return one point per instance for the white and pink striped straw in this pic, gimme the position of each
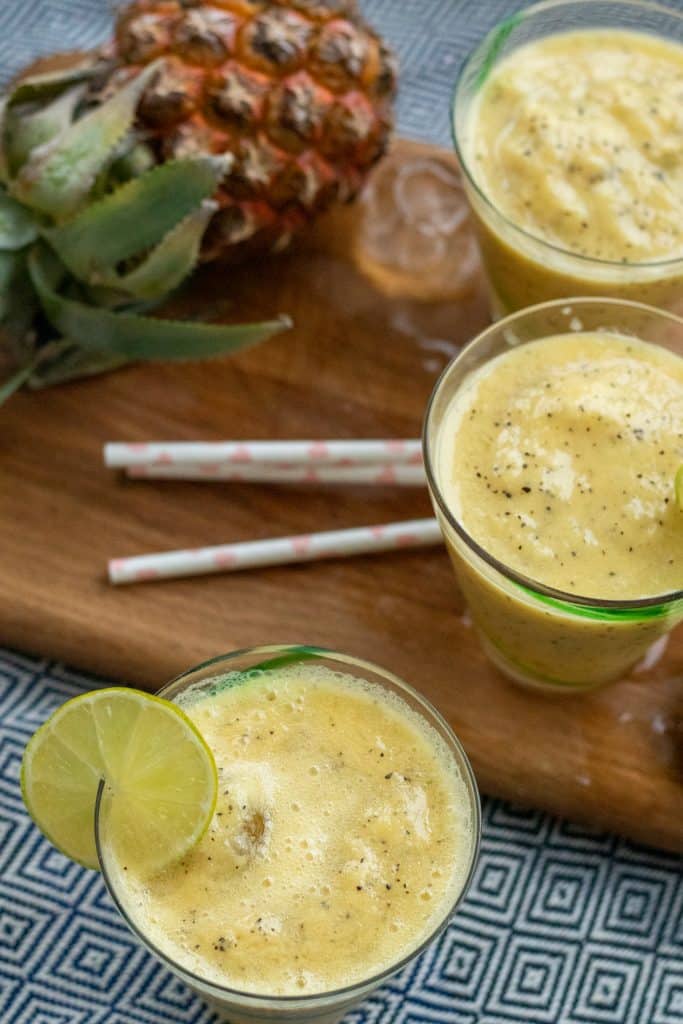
(276, 551)
(346, 453)
(394, 474)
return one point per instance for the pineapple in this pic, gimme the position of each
(203, 131)
(298, 93)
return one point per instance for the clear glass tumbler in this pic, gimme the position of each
(522, 269)
(328, 1007)
(537, 635)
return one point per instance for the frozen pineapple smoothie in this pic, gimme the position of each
(343, 836)
(558, 459)
(573, 144)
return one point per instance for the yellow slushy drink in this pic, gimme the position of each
(571, 142)
(553, 464)
(343, 836)
(559, 457)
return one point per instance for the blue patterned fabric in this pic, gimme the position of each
(561, 925)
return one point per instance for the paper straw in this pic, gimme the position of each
(306, 547)
(319, 453)
(395, 474)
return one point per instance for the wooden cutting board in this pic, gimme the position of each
(361, 361)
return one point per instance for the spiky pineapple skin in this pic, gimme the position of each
(299, 92)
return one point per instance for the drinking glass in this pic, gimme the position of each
(327, 1007)
(522, 269)
(537, 635)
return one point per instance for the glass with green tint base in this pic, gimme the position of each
(528, 260)
(538, 635)
(345, 833)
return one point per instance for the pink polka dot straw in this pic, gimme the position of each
(276, 551)
(340, 454)
(391, 462)
(398, 474)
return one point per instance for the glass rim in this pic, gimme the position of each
(490, 39)
(433, 716)
(578, 603)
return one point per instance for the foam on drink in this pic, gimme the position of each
(343, 834)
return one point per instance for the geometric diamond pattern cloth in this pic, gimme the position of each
(561, 925)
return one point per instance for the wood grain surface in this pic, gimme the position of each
(361, 361)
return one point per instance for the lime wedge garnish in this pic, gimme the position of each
(678, 484)
(160, 776)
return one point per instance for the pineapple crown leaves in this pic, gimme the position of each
(135, 337)
(51, 83)
(4, 169)
(26, 129)
(70, 362)
(17, 120)
(134, 217)
(17, 226)
(10, 265)
(13, 383)
(59, 175)
(170, 262)
(15, 291)
(93, 232)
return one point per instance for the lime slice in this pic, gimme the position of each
(678, 484)
(160, 776)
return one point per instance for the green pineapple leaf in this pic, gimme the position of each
(18, 304)
(12, 264)
(32, 88)
(59, 176)
(68, 362)
(13, 383)
(17, 226)
(135, 217)
(48, 83)
(137, 337)
(170, 262)
(114, 299)
(4, 169)
(136, 161)
(26, 131)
